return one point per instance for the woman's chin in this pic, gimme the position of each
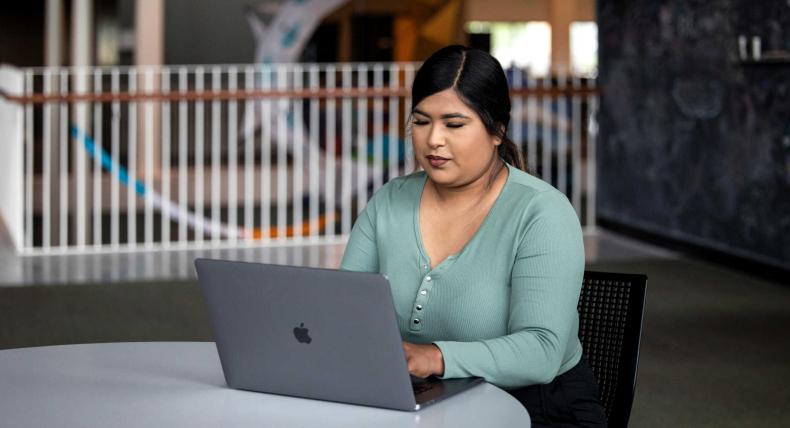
(441, 177)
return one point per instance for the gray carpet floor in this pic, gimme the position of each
(715, 348)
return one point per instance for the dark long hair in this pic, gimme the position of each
(480, 82)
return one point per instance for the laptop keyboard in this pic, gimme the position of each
(421, 387)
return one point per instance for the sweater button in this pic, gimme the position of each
(416, 321)
(419, 307)
(423, 292)
(428, 278)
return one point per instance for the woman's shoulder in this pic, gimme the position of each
(525, 182)
(540, 209)
(532, 192)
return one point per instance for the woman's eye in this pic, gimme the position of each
(420, 122)
(455, 125)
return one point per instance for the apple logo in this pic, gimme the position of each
(301, 334)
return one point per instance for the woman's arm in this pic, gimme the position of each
(361, 254)
(545, 285)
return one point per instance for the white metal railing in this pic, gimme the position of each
(126, 158)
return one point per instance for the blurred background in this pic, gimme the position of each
(140, 134)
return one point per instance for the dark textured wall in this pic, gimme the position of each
(694, 142)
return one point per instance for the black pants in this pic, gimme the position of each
(570, 400)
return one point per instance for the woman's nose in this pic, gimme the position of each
(435, 137)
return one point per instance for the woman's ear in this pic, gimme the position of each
(499, 138)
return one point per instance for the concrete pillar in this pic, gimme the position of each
(53, 33)
(148, 55)
(81, 32)
(12, 197)
(561, 14)
(149, 32)
(53, 57)
(81, 55)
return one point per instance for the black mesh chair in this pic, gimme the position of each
(611, 309)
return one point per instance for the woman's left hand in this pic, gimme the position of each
(423, 360)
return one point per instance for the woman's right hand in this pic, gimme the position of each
(423, 360)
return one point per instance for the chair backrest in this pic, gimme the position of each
(611, 309)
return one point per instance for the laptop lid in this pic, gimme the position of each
(307, 332)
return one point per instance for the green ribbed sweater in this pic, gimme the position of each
(504, 307)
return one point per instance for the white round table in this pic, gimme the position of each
(172, 384)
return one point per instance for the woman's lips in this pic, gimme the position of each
(436, 161)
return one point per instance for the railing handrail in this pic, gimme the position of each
(225, 94)
(170, 68)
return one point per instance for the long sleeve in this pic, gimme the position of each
(361, 253)
(542, 318)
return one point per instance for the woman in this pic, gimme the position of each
(485, 261)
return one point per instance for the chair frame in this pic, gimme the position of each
(619, 410)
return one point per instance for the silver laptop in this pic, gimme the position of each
(314, 333)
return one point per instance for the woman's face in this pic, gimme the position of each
(450, 141)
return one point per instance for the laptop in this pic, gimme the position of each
(314, 333)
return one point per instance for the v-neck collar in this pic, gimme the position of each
(451, 258)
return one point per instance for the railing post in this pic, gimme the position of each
(12, 155)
